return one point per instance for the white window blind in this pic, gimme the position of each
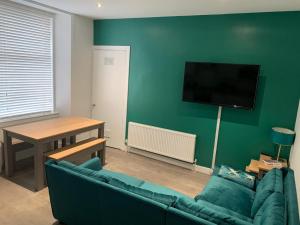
(26, 60)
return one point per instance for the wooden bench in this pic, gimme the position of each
(17, 146)
(90, 146)
(1, 156)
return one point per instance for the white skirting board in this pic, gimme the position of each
(204, 170)
(172, 161)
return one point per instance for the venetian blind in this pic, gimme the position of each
(26, 60)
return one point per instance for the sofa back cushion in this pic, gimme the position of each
(163, 190)
(93, 164)
(271, 182)
(133, 181)
(228, 194)
(84, 171)
(212, 213)
(272, 211)
(159, 197)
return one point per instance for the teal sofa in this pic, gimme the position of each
(89, 195)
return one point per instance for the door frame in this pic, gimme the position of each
(126, 49)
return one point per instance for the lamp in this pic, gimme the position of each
(282, 137)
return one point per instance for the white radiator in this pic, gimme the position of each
(169, 143)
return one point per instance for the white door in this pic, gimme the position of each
(110, 89)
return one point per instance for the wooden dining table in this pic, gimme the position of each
(40, 135)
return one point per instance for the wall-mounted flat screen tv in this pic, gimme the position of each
(222, 84)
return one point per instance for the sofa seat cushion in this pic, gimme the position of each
(272, 211)
(211, 212)
(224, 210)
(156, 196)
(122, 177)
(163, 190)
(229, 195)
(83, 171)
(271, 182)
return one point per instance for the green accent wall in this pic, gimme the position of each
(161, 46)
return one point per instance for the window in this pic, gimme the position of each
(26, 60)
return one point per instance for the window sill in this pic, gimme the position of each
(27, 119)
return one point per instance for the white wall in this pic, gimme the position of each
(81, 80)
(62, 63)
(74, 41)
(82, 42)
(295, 156)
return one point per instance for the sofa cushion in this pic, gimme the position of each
(237, 176)
(159, 197)
(212, 213)
(229, 195)
(272, 211)
(83, 170)
(122, 177)
(163, 190)
(271, 182)
(224, 210)
(290, 193)
(93, 164)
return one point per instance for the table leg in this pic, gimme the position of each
(73, 139)
(8, 154)
(64, 142)
(39, 168)
(101, 153)
(101, 131)
(55, 145)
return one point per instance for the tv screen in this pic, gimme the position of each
(232, 85)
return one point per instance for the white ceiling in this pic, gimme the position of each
(157, 8)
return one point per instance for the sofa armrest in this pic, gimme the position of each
(92, 164)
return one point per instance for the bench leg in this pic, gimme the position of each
(39, 169)
(8, 155)
(101, 155)
(101, 132)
